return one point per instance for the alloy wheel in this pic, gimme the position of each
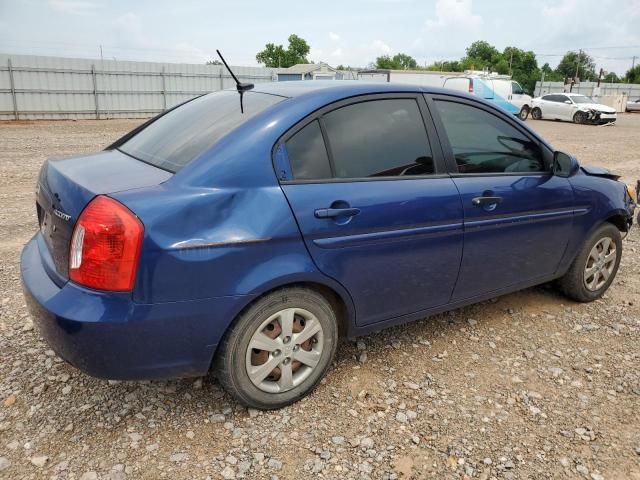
(284, 350)
(600, 264)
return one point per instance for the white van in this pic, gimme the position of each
(499, 89)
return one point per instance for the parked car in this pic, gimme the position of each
(249, 243)
(633, 106)
(504, 92)
(572, 107)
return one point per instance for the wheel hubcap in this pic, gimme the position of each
(600, 264)
(284, 350)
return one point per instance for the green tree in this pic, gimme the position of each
(400, 61)
(611, 77)
(445, 66)
(633, 75)
(214, 62)
(577, 64)
(276, 56)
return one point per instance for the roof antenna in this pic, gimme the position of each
(241, 87)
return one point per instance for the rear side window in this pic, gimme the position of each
(178, 137)
(484, 143)
(379, 138)
(307, 154)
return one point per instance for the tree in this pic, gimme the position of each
(577, 64)
(611, 77)
(400, 61)
(214, 62)
(276, 56)
(633, 75)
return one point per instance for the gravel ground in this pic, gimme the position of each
(529, 385)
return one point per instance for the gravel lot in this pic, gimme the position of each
(529, 385)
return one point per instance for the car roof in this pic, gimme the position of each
(338, 87)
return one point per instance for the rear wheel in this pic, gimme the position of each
(595, 266)
(279, 349)
(536, 113)
(524, 113)
(580, 117)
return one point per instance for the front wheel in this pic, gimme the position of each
(279, 349)
(580, 117)
(536, 113)
(524, 113)
(595, 266)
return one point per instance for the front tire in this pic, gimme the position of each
(536, 113)
(524, 113)
(279, 349)
(580, 117)
(595, 266)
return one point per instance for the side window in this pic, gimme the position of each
(516, 89)
(484, 143)
(562, 98)
(379, 138)
(307, 154)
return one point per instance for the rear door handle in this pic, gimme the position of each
(336, 212)
(481, 201)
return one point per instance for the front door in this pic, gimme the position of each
(376, 210)
(517, 215)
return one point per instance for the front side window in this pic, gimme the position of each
(516, 89)
(173, 140)
(582, 99)
(484, 143)
(380, 138)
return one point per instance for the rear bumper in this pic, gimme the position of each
(107, 335)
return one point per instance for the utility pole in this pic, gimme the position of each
(510, 62)
(578, 62)
(100, 52)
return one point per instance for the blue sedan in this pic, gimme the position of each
(248, 237)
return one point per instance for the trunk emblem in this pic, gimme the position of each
(61, 215)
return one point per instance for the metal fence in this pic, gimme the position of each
(35, 87)
(631, 90)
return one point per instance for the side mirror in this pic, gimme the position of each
(568, 102)
(564, 165)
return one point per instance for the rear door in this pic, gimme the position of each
(378, 213)
(517, 214)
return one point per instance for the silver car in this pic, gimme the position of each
(633, 105)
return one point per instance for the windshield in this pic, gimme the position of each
(178, 137)
(581, 99)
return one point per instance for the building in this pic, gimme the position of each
(309, 71)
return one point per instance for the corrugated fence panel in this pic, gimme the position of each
(60, 88)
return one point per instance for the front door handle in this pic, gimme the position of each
(336, 212)
(481, 201)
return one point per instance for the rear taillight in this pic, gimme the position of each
(105, 246)
(470, 86)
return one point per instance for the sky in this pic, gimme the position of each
(348, 32)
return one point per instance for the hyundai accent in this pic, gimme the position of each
(248, 239)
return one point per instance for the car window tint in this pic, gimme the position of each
(307, 154)
(484, 143)
(176, 138)
(516, 88)
(381, 138)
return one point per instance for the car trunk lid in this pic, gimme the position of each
(66, 185)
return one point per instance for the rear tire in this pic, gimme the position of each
(524, 113)
(595, 266)
(536, 113)
(278, 350)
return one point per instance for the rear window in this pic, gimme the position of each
(178, 137)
